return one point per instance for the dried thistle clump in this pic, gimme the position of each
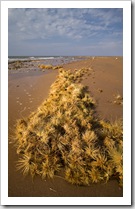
(114, 146)
(49, 67)
(118, 99)
(64, 134)
(42, 66)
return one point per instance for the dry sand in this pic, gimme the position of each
(28, 90)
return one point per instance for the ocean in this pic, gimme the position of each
(28, 58)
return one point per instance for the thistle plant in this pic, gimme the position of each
(63, 134)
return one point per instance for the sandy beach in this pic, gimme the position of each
(28, 87)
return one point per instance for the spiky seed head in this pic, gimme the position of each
(25, 164)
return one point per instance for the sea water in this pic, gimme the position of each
(29, 58)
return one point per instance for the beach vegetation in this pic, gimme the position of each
(49, 67)
(118, 99)
(65, 134)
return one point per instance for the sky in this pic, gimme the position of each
(65, 32)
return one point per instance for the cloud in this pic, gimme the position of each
(82, 26)
(50, 22)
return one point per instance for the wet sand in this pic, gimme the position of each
(27, 90)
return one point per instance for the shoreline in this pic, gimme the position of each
(30, 91)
